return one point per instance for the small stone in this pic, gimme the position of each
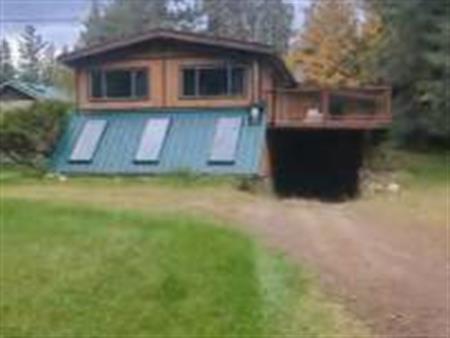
(393, 187)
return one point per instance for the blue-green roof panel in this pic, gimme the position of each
(187, 146)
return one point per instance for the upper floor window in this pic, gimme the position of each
(207, 81)
(119, 84)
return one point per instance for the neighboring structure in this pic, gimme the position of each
(167, 101)
(20, 94)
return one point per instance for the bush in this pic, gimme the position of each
(28, 135)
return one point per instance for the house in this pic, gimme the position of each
(21, 94)
(167, 101)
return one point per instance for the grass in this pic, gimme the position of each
(413, 168)
(73, 271)
(423, 178)
(127, 256)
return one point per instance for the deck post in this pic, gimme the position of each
(325, 103)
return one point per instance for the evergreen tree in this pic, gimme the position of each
(95, 30)
(7, 70)
(415, 59)
(49, 65)
(265, 21)
(126, 17)
(31, 47)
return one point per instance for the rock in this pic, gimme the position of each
(393, 187)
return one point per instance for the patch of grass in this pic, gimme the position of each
(413, 167)
(14, 174)
(77, 272)
(176, 180)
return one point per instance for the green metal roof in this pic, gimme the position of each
(187, 145)
(37, 91)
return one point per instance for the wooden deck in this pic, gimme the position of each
(364, 108)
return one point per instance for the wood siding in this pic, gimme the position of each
(165, 83)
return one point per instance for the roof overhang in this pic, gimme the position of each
(257, 49)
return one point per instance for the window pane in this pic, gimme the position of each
(237, 81)
(118, 84)
(96, 84)
(212, 81)
(189, 82)
(141, 84)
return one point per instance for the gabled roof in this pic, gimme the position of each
(187, 37)
(36, 91)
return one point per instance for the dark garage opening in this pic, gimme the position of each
(321, 164)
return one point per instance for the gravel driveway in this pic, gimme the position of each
(391, 274)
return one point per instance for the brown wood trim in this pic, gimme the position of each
(325, 103)
(164, 81)
(194, 38)
(77, 91)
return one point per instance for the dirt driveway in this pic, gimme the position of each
(391, 274)
(390, 271)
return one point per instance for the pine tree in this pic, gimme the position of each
(126, 17)
(7, 70)
(95, 30)
(49, 65)
(265, 21)
(415, 59)
(31, 47)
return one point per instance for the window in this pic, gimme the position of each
(204, 81)
(152, 140)
(88, 141)
(119, 84)
(225, 140)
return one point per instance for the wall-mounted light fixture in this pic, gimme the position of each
(255, 115)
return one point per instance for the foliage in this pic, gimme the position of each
(425, 167)
(124, 17)
(123, 274)
(7, 69)
(335, 44)
(31, 48)
(414, 59)
(37, 62)
(267, 21)
(28, 135)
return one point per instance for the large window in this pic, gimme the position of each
(210, 81)
(119, 84)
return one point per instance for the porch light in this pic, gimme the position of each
(255, 115)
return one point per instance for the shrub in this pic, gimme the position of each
(28, 135)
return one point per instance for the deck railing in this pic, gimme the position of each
(361, 108)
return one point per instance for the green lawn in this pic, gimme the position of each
(77, 272)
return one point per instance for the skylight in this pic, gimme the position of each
(225, 140)
(152, 140)
(88, 140)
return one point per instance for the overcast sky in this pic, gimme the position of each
(59, 21)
